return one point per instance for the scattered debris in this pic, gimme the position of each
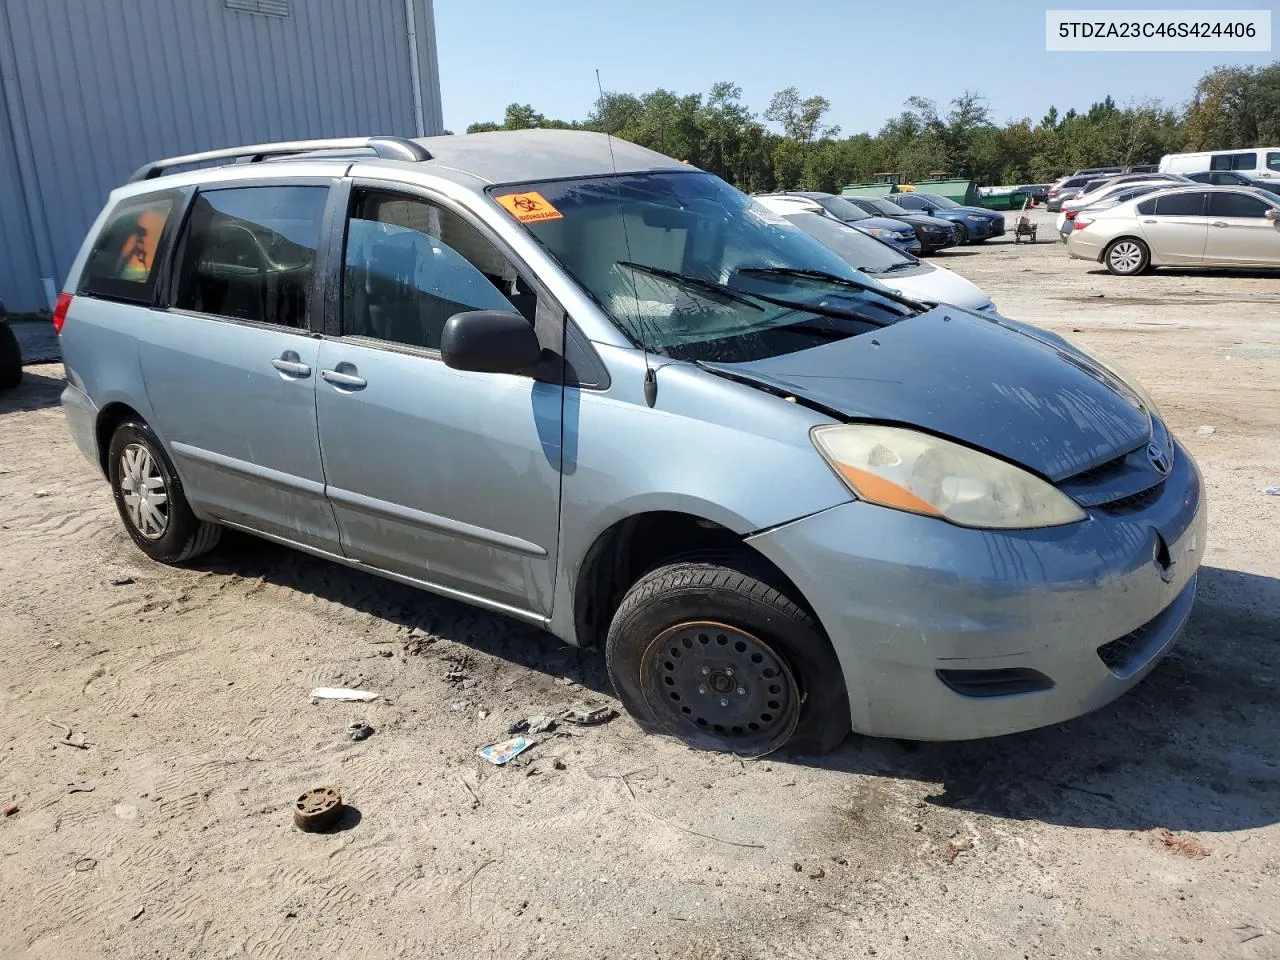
(558, 764)
(42, 493)
(121, 580)
(1246, 932)
(1191, 847)
(343, 694)
(504, 751)
(955, 848)
(85, 864)
(482, 714)
(80, 788)
(587, 716)
(11, 810)
(475, 797)
(539, 723)
(797, 866)
(140, 912)
(817, 874)
(459, 705)
(317, 808)
(1272, 491)
(386, 653)
(66, 740)
(56, 644)
(455, 676)
(358, 730)
(1206, 431)
(416, 644)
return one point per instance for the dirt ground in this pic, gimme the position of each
(1148, 829)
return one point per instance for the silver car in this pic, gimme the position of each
(1194, 226)
(581, 384)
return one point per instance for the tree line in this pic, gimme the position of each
(790, 145)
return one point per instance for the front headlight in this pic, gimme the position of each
(905, 470)
(974, 218)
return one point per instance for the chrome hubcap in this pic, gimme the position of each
(1125, 257)
(143, 489)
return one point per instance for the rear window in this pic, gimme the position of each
(1273, 161)
(122, 263)
(1180, 205)
(1235, 161)
(250, 253)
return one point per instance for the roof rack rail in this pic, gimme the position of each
(387, 148)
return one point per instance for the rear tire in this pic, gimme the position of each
(149, 496)
(716, 653)
(1127, 257)
(10, 358)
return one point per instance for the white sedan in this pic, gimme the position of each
(1196, 226)
(885, 264)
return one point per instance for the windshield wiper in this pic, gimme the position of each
(904, 265)
(821, 275)
(728, 294)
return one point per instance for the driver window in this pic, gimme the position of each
(411, 265)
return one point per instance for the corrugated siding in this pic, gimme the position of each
(105, 85)
(19, 276)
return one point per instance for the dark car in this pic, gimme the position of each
(894, 231)
(10, 354)
(975, 223)
(934, 233)
(1232, 178)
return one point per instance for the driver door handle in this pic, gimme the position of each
(341, 379)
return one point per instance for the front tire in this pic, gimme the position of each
(963, 235)
(717, 653)
(149, 496)
(1127, 257)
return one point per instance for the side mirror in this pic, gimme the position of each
(929, 211)
(489, 341)
(1272, 214)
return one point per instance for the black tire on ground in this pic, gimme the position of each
(1127, 257)
(964, 235)
(784, 685)
(136, 452)
(10, 358)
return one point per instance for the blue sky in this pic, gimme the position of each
(547, 53)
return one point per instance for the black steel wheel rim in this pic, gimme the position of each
(720, 687)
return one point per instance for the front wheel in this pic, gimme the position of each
(962, 235)
(149, 496)
(1127, 257)
(717, 653)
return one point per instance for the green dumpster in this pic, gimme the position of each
(869, 190)
(961, 191)
(1002, 198)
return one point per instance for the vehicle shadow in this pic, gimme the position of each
(35, 392)
(488, 633)
(1227, 272)
(1193, 747)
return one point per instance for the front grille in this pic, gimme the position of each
(1134, 502)
(1008, 682)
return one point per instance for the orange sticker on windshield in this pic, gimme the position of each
(530, 207)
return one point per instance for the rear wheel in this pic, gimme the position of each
(717, 653)
(10, 358)
(1127, 257)
(149, 496)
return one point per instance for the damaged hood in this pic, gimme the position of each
(985, 381)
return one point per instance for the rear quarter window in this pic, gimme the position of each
(122, 264)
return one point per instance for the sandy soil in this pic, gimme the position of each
(1148, 829)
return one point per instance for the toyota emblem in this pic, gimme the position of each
(1158, 459)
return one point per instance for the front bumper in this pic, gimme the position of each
(936, 240)
(904, 597)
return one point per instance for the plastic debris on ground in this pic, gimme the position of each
(343, 694)
(538, 723)
(504, 751)
(588, 716)
(1206, 431)
(1272, 491)
(359, 730)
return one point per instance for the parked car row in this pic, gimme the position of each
(525, 369)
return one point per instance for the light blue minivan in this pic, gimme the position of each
(576, 382)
